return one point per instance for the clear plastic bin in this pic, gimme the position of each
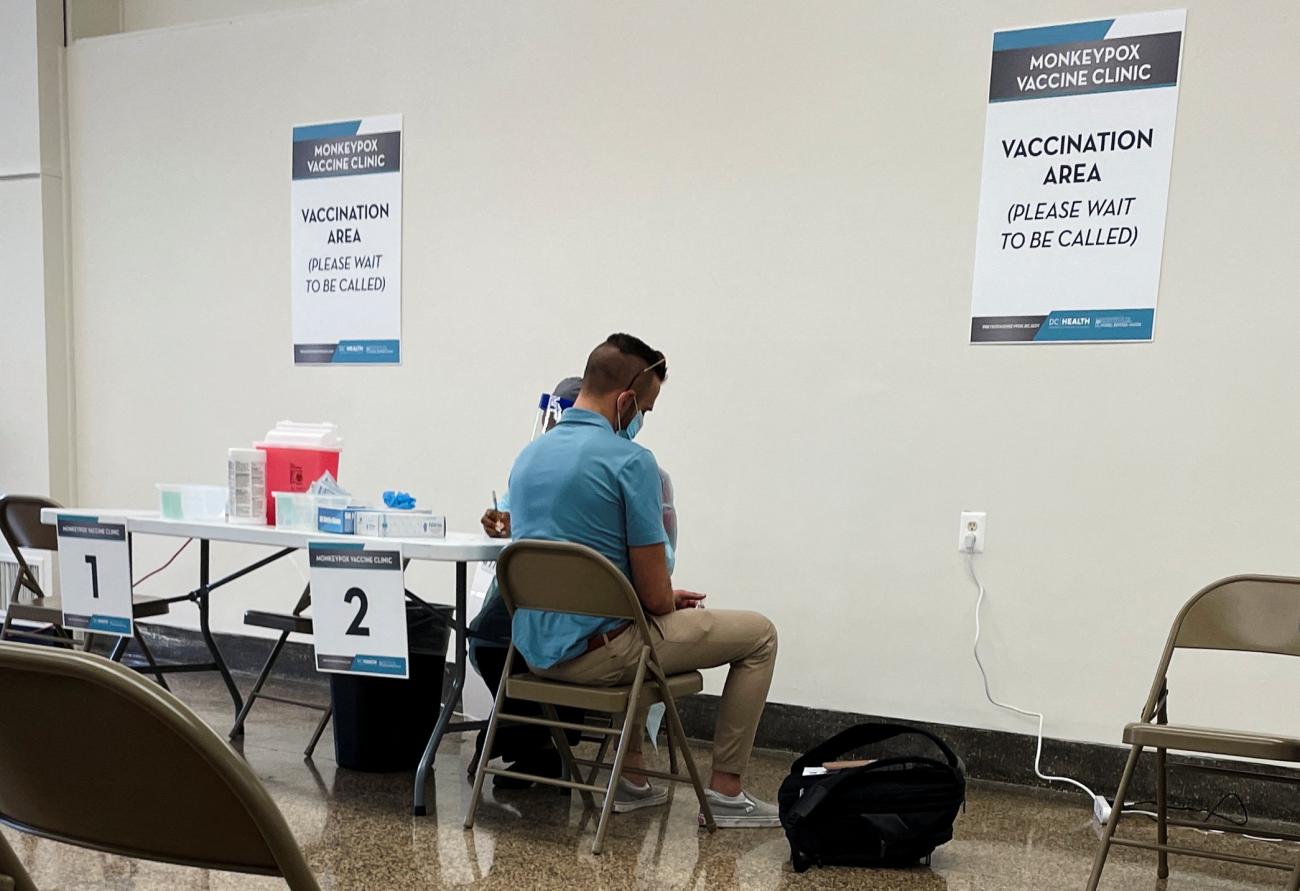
(189, 502)
(297, 510)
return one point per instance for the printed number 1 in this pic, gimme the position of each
(356, 627)
(94, 576)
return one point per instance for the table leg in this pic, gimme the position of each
(457, 686)
(206, 628)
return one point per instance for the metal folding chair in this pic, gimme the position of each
(286, 623)
(1248, 614)
(152, 781)
(570, 578)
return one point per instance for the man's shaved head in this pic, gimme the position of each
(618, 363)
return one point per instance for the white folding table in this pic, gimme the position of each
(459, 548)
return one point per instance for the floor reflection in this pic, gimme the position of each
(357, 832)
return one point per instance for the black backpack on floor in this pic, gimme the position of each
(892, 812)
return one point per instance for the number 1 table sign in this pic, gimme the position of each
(95, 574)
(358, 605)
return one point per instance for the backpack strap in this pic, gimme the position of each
(864, 735)
(814, 796)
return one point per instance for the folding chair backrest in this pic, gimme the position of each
(1242, 613)
(1251, 614)
(21, 527)
(92, 754)
(562, 577)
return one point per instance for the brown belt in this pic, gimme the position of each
(596, 641)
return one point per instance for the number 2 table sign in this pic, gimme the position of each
(95, 574)
(358, 604)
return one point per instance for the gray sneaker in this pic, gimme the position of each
(632, 798)
(742, 812)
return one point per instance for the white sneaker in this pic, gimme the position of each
(628, 797)
(742, 812)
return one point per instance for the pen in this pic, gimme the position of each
(497, 510)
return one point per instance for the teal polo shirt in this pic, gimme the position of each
(581, 483)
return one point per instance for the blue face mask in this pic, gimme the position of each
(633, 426)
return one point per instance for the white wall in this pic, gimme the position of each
(23, 463)
(36, 437)
(783, 199)
(24, 437)
(142, 14)
(20, 152)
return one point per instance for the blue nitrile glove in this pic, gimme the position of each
(399, 500)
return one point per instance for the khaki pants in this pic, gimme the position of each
(687, 640)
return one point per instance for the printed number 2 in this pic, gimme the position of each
(94, 576)
(356, 627)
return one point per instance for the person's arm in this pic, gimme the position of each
(643, 516)
(654, 587)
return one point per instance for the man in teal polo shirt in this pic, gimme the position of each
(587, 482)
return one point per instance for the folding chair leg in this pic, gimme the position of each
(148, 657)
(12, 868)
(615, 774)
(675, 728)
(561, 743)
(489, 740)
(119, 648)
(1162, 814)
(320, 728)
(672, 751)
(61, 636)
(265, 673)
(476, 794)
(1099, 863)
(599, 759)
(624, 743)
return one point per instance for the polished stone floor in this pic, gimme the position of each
(357, 832)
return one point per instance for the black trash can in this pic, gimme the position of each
(383, 724)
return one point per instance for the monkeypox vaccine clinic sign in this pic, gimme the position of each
(347, 242)
(1077, 148)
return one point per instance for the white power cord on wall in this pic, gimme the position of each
(1100, 807)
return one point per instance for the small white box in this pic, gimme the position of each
(400, 524)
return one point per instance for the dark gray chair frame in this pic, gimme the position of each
(286, 623)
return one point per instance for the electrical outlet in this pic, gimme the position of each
(972, 523)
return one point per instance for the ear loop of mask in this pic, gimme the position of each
(630, 384)
(618, 415)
